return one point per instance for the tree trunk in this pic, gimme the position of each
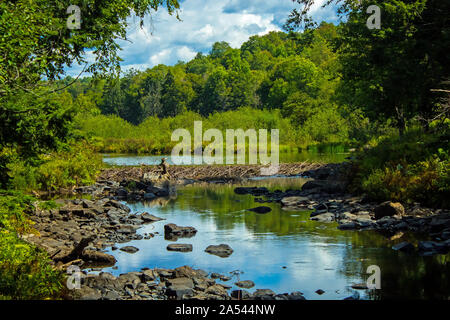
(401, 121)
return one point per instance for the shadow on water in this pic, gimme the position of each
(281, 250)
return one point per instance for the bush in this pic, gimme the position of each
(79, 165)
(409, 168)
(25, 271)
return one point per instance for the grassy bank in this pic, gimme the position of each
(111, 134)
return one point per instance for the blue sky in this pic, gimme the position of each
(165, 40)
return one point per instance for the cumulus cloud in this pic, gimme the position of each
(164, 39)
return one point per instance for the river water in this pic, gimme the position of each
(281, 250)
(286, 157)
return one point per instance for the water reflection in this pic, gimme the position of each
(285, 157)
(281, 250)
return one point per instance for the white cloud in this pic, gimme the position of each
(166, 40)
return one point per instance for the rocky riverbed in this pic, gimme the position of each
(80, 230)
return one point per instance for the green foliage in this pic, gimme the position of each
(78, 165)
(25, 271)
(413, 167)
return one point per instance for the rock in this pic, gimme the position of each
(240, 294)
(179, 287)
(180, 282)
(322, 207)
(432, 247)
(348, 226)
(294, 201)
(246, 284)
(118, 205)
(148, 275)
(217, 290)
(126, 229)
(147, 217)
(389, 209)
(186, 271)
(296, 296)
(263, 294)
(180, 247)
(260, 210)
(215, 275)
(325, 217)
(111, 295)
(98, 257)
(172, 229)
(320, 292)
(221, 250)
(403, 246)
(86, 293)
(129, 249)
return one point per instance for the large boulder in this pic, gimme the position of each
(221, 250)
(98, 257)
(246, 284)
(129, 249)
(389, 209)
(147, 217)
(172, 229)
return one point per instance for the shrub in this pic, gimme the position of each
(25, 271)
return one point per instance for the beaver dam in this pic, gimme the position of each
(209, 172)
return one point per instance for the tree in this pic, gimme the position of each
(389, 72)
(35, 47)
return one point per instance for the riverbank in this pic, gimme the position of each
(105, 223)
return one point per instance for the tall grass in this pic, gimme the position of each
(111, 134)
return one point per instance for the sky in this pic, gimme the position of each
(166, 40)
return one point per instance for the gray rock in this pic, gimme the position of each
(129, 249)
(247, 284)
(294, 201)
(111, 295)
(325, 217)
(221, 250)
(180, 247)
(389, 209)
(263, 294)
(147, 217)
(98, 257)
(172, 229)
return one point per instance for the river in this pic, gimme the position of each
(281, 250)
